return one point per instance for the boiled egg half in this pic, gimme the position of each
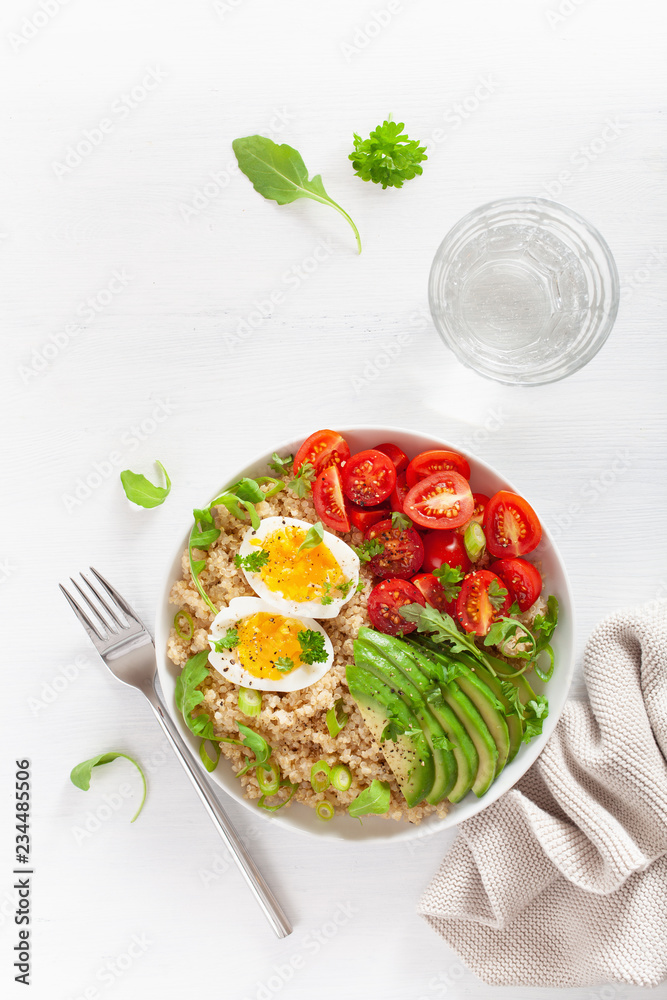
(256, 646)
(315, 581)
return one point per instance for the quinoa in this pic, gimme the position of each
(293, 723)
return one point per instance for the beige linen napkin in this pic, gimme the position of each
(563, 881)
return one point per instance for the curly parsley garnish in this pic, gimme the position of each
(369, 548)
(252, 562)
(227, 641)
(312, 646)
(449, 578)
(388, 157)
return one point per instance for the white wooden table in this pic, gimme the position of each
(137, 263)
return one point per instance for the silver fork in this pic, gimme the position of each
(126, 647)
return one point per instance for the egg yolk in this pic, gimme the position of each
(308, 575)
(265, 638)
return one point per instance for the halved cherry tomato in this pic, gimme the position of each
(481, 500)
(329, 501)
(322, 449)
(384, 602)
(511, 525)
(429, 462)
(475, 607)
(433, 593)
(443, 500)
(398, 457)
(444, 547)
(364, 517)
(368, 478)
(403, 551)
(521, 578)
(399, 493)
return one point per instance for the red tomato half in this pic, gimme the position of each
(474, 608)
(403, 551)
(511, 525)
(399, 493)
(322, 449)
(443, 500)
(329, 501)
(522, 579)
(365, 517)
(368, 478)
(398, 457)
(429, 462)
(481, 501)
(384, 602)
(444, 547)
(433, 593)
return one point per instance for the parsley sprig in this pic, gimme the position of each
(253, 562)
(229, 640)
(388, 157)
(301, 484)
(369, 547)
(449, 578)
(312, 646)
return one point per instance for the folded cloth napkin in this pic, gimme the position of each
(563, 880)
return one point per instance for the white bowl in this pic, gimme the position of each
(484, 479)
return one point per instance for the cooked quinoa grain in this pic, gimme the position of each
(293, 723)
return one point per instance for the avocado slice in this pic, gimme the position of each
(514, 723)
(372, 659)
(409, 757)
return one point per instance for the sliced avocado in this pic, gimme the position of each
(372, 658)
(514, 723)
(409, 757)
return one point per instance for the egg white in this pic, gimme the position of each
(346, 558)
(227, 662)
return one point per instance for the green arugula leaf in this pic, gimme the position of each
(369, 547)
(229, 640)
(401, 521)
(312, 646)
(252, 562)
(204, 539)
(301, 485)
(442, 628)
(284, 664)
(82, 773)
(497, 595)
(281, 466)
(388, 157)
(314, 537)
(256, 743)
(449, 578)
(279, 173)
(143, 493)
(188, 698)
(374, 799)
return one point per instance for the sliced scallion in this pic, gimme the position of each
(336, 718)
(324, 810)
(341, 777)
(178, 618)
(210, 763)
(283, 784)
(474, 540)
(250, 701)
(268, 777)
(320, 776)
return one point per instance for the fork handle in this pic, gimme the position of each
(263, 894)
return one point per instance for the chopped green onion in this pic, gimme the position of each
(341, 777)
(189, 622)
(250, 701)
(210, 763)
(474, 540)
(324, 810)
(268, 777)
(336, 718)
(283, 784)
(320, 776)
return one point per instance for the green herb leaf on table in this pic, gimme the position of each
(229, 640)
(278, 172)
(281, 466)
(369, 547)
(252, 562)
(374, 799)
(301, 484)
(388, 157)
(141, 491)
(312, 646)
(82, 773)
(449, 578)
(314, 537)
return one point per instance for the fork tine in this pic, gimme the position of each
(111, 612)
(118, 598)
(105, 623)
(90, 628)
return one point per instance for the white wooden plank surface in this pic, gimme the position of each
(548, 84)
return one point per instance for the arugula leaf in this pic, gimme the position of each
(82, 773)
(256, 743)
(187, 697)
(252, 562)
(303, 478)
(369, 547)
(442, 629)
(399, 520)
(388, 156)
(279, 173)
(374, 799)
(143, 493)
(313, 538)
(312, 646)
(229, 640)
(449, 578)
(284, 664)
(281, 466)
(497, 595)
(204, 539)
